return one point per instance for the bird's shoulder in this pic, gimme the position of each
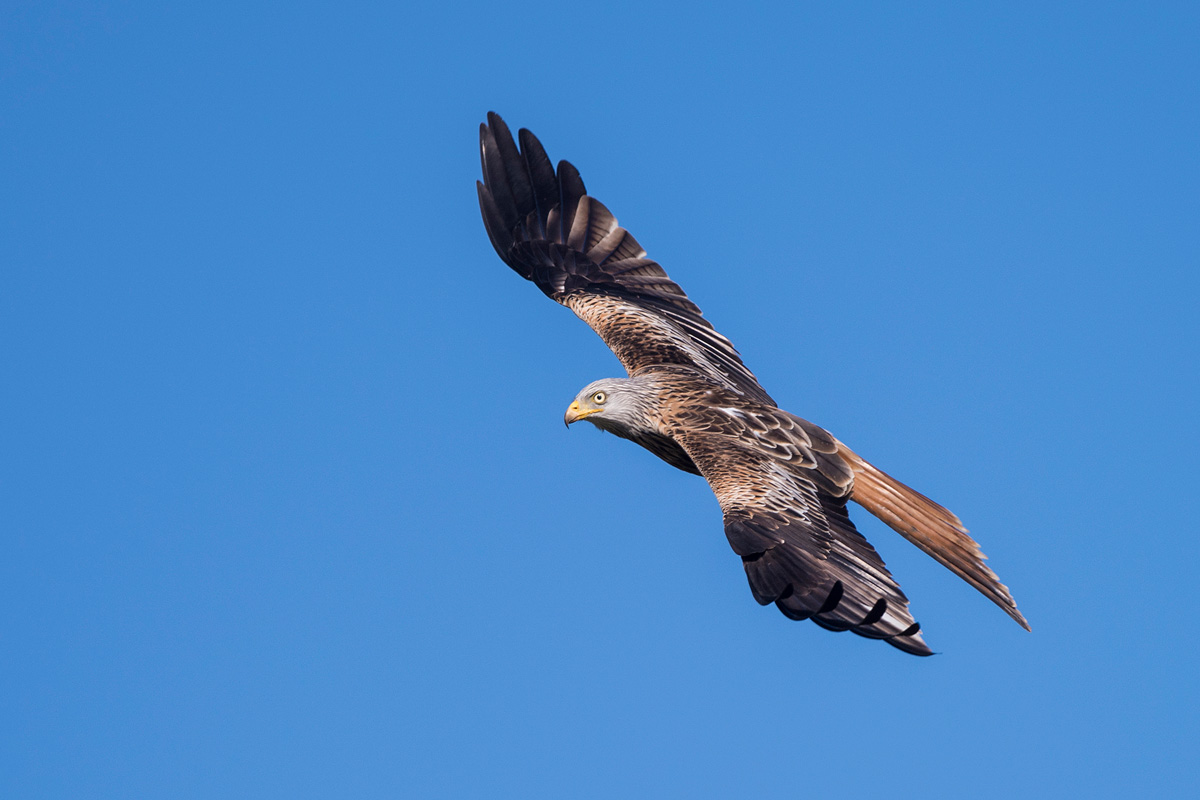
(725, 423)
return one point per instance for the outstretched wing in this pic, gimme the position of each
(798, 546)
(545, 226)
(840, 472)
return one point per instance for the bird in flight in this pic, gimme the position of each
(781, 481)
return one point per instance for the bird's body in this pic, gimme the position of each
(782, 482)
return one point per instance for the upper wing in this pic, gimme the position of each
(799, 548)
(544, 226)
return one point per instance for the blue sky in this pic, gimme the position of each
(288, 506)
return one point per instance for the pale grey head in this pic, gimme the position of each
(620, 405)
(629, 408)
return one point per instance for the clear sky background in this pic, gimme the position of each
(288, 509)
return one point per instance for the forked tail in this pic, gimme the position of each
(930, 527)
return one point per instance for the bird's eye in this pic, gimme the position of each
(598, 398)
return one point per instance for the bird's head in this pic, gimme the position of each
(610, 404)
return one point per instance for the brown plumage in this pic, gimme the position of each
(782, 482)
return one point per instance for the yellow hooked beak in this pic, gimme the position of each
(575, 413)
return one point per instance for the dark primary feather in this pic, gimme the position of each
(545, 226)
